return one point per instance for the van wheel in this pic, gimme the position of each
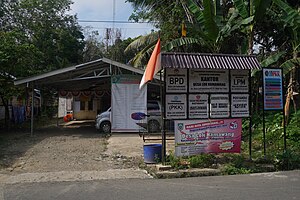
(153, 126)
(105, 127)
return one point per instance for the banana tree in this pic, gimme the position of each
(206, 28)
(245, 14)
(215, 30)
(291, 19)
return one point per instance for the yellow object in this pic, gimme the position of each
(183, 30)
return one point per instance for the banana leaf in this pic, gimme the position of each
(241, 7)
(209, 20)
(272, 59)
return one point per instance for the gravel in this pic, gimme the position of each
(71, 148)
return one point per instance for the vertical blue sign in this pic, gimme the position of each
(272, 85)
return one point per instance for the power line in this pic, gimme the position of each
(95, 27)
(113, 21)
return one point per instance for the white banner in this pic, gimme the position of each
(208, 81)
(127, 99)
(176, 106)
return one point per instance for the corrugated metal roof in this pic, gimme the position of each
(208, 61)
(82, 76)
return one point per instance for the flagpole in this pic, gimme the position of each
(153, 67)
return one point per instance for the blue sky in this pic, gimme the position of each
(103, 10)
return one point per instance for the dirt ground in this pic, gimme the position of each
(76, 147)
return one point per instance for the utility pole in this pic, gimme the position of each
(113, 25)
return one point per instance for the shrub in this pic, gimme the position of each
(287, 160)
(175, 162)
(202, 160)
(232, 170)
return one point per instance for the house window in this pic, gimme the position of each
(90, 105)
(82, 105)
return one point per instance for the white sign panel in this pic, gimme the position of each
(127, 99)
(219, 105)
(176, 106)
(240, 105)
(176, 80)
(198, 106)
(239, 81)
(208, 81)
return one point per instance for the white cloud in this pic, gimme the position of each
(103, 10)
(93, 9)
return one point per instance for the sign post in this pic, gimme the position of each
(273, 96)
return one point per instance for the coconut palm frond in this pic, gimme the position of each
(182, 42)
(142, 55)
(141, 41)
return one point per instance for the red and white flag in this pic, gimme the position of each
(153, 65)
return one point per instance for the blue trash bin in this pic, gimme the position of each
(152, 153)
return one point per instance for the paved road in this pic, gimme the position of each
(283, 185)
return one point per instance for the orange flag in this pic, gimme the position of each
(153, 65)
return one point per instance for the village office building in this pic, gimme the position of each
(85, 89)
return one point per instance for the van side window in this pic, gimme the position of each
(152, 106)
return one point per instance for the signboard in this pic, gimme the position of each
(240, 105)
(219, 105)
(272, 87)
(125, 91)
(194, 137)
(209, 93)
(176, 80)
(176, 106)
(208, 81)
(239, 81)
(198, 106)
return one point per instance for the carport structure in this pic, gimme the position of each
(91, 76)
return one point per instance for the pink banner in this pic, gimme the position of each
(194, 137)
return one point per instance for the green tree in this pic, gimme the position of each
(117, 51)
(35, 36)
(93, 49)
(49, 28)
(14, 55)
(291, 18)
(280, 42)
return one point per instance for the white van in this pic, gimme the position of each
(103, 122)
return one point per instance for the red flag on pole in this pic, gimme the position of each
(153, 65)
